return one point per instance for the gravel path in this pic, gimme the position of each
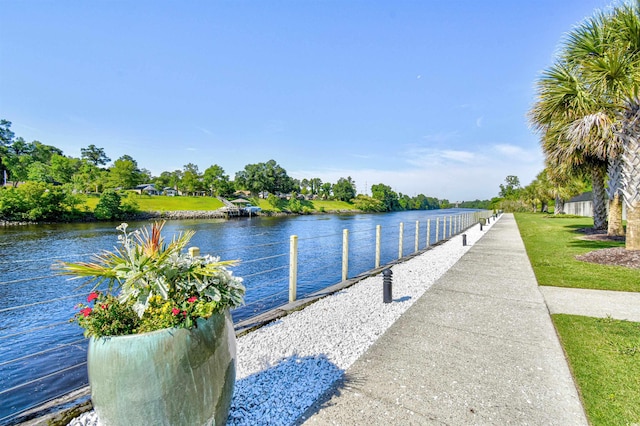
(284, 367)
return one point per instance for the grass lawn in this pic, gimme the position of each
(164, 203)
(604, 354)
(315, 205)
(552, 244)
(605, 360)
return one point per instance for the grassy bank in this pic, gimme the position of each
(604, 354)
(163, 203)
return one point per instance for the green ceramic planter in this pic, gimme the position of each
(173, 376)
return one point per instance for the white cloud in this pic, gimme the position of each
(205, 131)
(452, 174)
(479, 121)
(518, 153)
(442, 137)
(427, 157)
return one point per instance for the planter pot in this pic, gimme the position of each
(174, 376)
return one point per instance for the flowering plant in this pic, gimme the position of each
(152, 285)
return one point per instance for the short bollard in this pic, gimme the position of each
(387, 296)
(464, 239)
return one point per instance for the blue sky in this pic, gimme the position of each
(424, 96)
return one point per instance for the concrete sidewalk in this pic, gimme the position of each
(477, 348)
(619, 305)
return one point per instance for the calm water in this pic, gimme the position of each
(42, 355)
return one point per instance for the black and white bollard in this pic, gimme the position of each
(387, 293)
(464, 239)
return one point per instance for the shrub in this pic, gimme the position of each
(108, 207)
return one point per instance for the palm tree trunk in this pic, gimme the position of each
(615, 217)
(558, 206)
(631, 173)
(614, 193)
(599, 198)
(633, 227)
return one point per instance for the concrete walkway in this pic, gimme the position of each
(477, 348)
(619, 305)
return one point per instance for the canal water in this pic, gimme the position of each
(43, 354)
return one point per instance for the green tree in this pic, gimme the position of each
(191, 179)
(89, 177)
(576, 107)
(264, 177)
(326, 190)
(368, 204)
(344, 189)
(386, 195)
(124, 173)
(169, 179)
(108, 207)
(38, 201)
(94, 155)
(314, 185)
(217, 182)
(512, 187)
(6, 139)
(63, 168)
(43, 153)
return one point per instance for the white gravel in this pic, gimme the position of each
(284, 367)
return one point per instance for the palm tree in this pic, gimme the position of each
(564, 98)
(631, 165)
(606, 66)
(597, 71)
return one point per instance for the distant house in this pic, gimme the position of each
(147, 188)
(170, 192)
(582, 205)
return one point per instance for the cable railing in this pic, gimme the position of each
(34, 343)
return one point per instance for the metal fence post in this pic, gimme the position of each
(293, 267)
(401, 238)
(378, 243)
(417, 236)
(450, 226)
(428, 232)
(437, 228)
(345, 254)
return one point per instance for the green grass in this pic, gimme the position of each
(553, 243)
(605, 360)
(164, 203)
(315, 205)
(604, 354)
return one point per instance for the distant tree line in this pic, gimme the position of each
(33, 171)
(540, 193)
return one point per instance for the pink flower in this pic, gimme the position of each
(175, 311)
(184, 313)
(93, 295)
(104, 306)
(85, 312)
(192, 299)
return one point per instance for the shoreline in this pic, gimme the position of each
(177, 215)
